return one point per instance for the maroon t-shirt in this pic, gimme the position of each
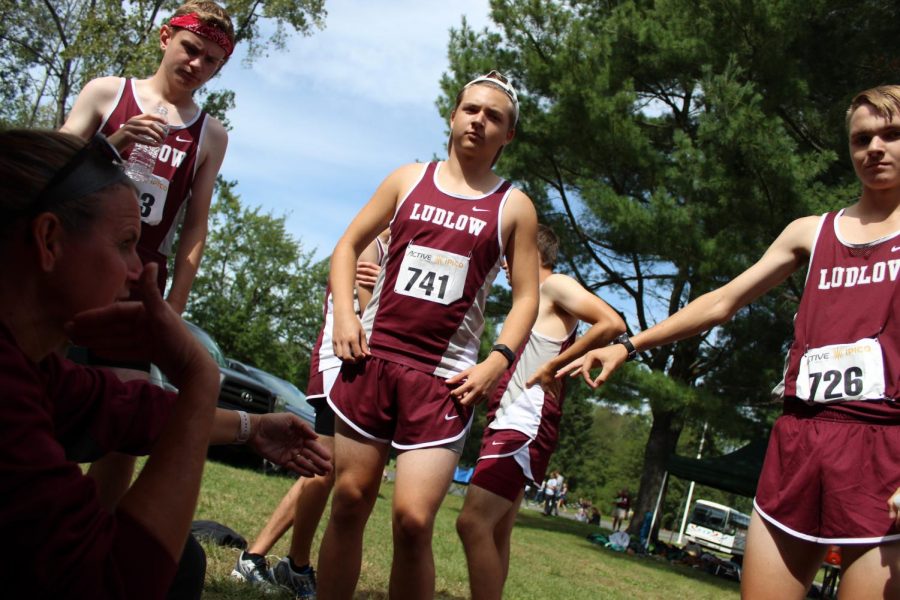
(58, 541)
(850, 294)
(427, 310)
(177, 162)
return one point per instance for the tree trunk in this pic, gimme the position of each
(661, 443)
(62, 94)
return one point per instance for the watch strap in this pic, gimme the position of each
(629, 347)
(506, 352)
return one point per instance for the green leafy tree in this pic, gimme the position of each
(669, 142)
(258, 293)
(50, 48)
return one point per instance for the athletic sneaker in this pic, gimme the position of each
(252, 569)
(302, 583)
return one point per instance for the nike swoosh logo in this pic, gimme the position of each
(496, 443)
(450, 417)
(180, 139)
(481, 209)
(895, 248)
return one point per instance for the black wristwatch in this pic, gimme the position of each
(626, 341)
(506, 352)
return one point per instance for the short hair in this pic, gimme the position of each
(884, 99)
(548, 246)
(29, 159)
(210, 14)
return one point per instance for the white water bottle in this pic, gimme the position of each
(143, 157)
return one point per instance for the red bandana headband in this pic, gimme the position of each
(192, 23)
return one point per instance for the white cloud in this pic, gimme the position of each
(385, 52)
(317, 126)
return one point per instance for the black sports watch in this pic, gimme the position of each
(506, 352)
(626, 341)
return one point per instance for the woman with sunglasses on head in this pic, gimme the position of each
(70, 223)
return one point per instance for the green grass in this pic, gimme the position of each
(551, 557)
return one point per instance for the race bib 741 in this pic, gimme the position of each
(432, 275)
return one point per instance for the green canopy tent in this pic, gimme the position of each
(737, 472)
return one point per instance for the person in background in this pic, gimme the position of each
(523, 418)
(621, 506)
(304, 503)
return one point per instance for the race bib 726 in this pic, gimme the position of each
(842, 372)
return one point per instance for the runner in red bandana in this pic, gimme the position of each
(196, 43)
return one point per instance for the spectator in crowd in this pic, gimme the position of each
(550, 494)
(621, 505)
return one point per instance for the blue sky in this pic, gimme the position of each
(319, 125)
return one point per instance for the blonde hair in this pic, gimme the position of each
(884, 99)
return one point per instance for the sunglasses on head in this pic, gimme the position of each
(96, 145)
(96, 165)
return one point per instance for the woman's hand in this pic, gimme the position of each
(148, 329)
(285, 440)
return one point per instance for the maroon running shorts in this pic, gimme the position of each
(827, 477)
(390, 402)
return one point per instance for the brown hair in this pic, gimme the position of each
(885, 99)
(28, 161)
(209, 13)
(548, 246)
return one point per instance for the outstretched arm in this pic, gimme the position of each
(281, 438)
(784, 256)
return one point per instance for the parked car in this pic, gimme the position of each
(287, 396)
(239, 391)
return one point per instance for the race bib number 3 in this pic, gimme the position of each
(842, 372)
(152, 199)
(432, 275)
